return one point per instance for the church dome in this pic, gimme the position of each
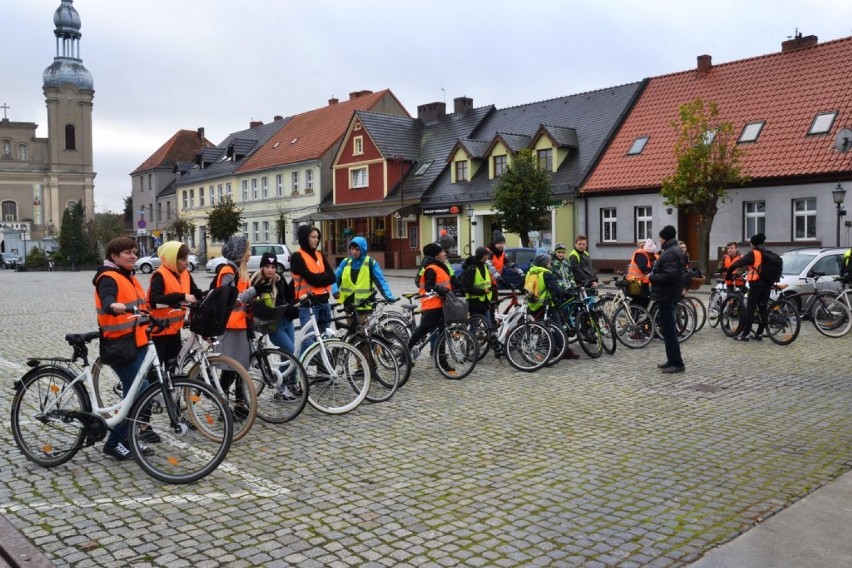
(68, 71)
(66, 19)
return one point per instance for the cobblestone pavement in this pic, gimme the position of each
(601, 462)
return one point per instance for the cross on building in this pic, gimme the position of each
(5, 107)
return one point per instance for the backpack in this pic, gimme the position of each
(531, 284)
(771, 267)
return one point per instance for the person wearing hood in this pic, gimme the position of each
(499, 259)
(117, 292)
(639, 268)
(666, 290)
(353, 284)
(170, 285)
(280, 294)
(435, 276)
(478, 284)
(549, 292)
(312, 273)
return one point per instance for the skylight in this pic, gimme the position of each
(709, 136)
(823, 122)
(422, 169)
(638, 145)
(751, 131)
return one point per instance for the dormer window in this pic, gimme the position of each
(545, 159)
(823, 122)
(500, 165)
(751, 131)
(461, 170)
(638, 145)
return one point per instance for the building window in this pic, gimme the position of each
(201, 196)
(822, 123)
(168, 210)
(23, 153)
(254, 189)
(638, 145)
(254, 226)
(358, 145)
(309, 180)
(294, 178)
(500, 165)
(750, 132)
(245, 231)
(266, 231)
(644, 229)
(804, 219)
(609, 224)
(545, 159)
(159, 213)
(191, 198)
(358, 177)
(279, 185)
(755, 218)
(264, 187)
(228, 191)
(461, 170)
(245, 190)
(10, 211)
(422, 169)
(7, 149)
(185, 200)
(450, 224)
(213, 195)
(70, 137)
(150, 184)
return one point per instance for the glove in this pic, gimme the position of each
(441, 290)
(263, 287)
(291, 313)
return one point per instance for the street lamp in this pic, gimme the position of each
(839, 194)
(468, 210)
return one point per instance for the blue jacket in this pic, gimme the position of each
(378, 276)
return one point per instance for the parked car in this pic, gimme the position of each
(798, 263)
(281, 252)
(10, 260)
(148, 264)
(523, 257)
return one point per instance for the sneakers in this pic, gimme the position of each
(673, 369)
(571, 354)
(756, 337)
(741, 338)
(148, 436)
(284, 394)
(122, 453)
(664, 365)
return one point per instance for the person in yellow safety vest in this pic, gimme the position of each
(435, 276)
(640, 267)
(580, 262)
(549, 292)
(478, 284)
(170, 285)
(357, 277)
(846, 266)
(117, 294)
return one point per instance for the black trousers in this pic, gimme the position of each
(758, 297)
(429, 320)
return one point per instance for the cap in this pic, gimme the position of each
(235, 248)
(541, 259)
(480, 252)
(432, 249)
(758, 239)
(268, 259)
(560, 247)
(668, 232)
(497, 236)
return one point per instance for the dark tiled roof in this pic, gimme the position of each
(181, 147)
(209, 156)
(564, 137)
(787, 90)
(393, 135)
(475, 148)
(594, 116)
(168, 190)
(513, 142)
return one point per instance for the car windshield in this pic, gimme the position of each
(524, 256)
(795, 263)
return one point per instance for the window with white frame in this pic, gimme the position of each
(644, 229)
(213, 194)
(10, 211)
(609, 223)
(265, 231)
(159, 212)
(185, 199)
(191, 198)
(201, 196)
(804, 219)
(309, 180)
(358, 145)
(264, 187)
(245, 231)
(254, 189)
(23, 153)
(228, 190)
(279, 185)
(755, 218)
(294, 178)
(245, 190)
(255, 226)
(358, 177)
(168, 210)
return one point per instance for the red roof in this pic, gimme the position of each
(787, 90)
(182, 147)
(308, 136)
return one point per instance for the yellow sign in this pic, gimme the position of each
(157, 234)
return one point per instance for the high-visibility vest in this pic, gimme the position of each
(317, 266)
(754, 269)
(633, 270)
(543, 292)
(171, 285)
(481, 280)
(441, 279)
(362, 288)
(498, 262)
(130, 294)
(726, 264)
(237, 319)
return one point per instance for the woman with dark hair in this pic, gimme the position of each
(312, 273)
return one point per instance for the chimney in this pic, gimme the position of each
(798, 42)
(462, 104)
(357, 94)
(704, 64)
(255, 123)
(332, 101)
(431, 112)
(201, 133)
(277, 118)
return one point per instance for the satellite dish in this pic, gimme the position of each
(843, 141)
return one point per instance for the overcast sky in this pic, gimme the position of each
(163, 65)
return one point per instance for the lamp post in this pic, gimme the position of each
(838, 193)
(468, 210)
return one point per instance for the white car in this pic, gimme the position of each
(148, 264)
(281, 252)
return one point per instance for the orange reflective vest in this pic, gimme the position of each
(726, 264)
(317, 266)
(171, 285)
(754, 269)
(130, 294)
(498, 262)
(633, 270)
(237, 319)
(442, 278)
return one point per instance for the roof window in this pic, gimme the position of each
(422, 169)
(823, 122)
(638, 146)
(751, 131)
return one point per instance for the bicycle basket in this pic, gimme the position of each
(634, 287)
(695, 284)
(264, 317)
(209, 318)
(455, 308)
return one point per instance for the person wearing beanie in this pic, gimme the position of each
(666, 280)
(282, 334)
(499, 260)
(758, 289)
(446, 241)
(478, 284)
(561, 268)
(540, 278)
(638, 270)
(312, 273)
(355, 283)
(437, 276)
(580, 262)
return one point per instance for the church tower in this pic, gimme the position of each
(68, 92)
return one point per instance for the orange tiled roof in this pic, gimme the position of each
(182, 147)
(314, 132)
(787, 90)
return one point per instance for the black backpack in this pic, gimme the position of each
(771, 267)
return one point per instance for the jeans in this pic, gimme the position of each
(669, 332)
(323, 315)
(284, 336)
(126, 373)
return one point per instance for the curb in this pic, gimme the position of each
(18, 552)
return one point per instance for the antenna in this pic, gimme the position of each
(843, 140)
(445, 94)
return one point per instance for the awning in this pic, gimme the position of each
(350, 213)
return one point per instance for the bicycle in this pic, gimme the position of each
(828, 311)
(582, 321)
(782, 318)
(631, 324)
(53, 415)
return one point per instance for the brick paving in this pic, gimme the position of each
(601, 462)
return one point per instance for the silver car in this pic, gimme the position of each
(281, 252)
(799, 263)
(148, 264)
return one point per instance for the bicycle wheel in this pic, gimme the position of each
(560, 342)
(714, 307)
(241, 395)
(588, 334)
(401, 351)
(395, 324)
(686, 321)
(478, 326)
(831, 317)
(455, 352)
(281, 385)
(185, 454)
(108, 389)
(528, 346)
(607, 330)
(733, 310)
(43, 399)
(338, 376)
(700, 311)
(384, 366)
(783, 322)
(633, 326)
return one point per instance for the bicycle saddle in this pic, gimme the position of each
(81, 338)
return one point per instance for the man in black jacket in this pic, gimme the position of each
(666, 290)
(758, 289)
